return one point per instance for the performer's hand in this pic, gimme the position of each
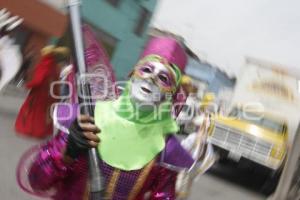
(82, 136)
(89, 129)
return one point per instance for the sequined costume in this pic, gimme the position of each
(48, 175)
(43, 172)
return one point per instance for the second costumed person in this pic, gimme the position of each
(134, 135)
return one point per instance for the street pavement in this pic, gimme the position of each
(11, 149)
(228, 182)
(221, 183)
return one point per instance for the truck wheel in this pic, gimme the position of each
(271, 183)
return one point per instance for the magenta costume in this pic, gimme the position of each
(42, 171)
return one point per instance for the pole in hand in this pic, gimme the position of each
(96, 186)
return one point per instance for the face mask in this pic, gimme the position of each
(144, 91)
(158, 73)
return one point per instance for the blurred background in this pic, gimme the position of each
(242, 59)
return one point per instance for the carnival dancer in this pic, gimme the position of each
(34, 117)
(134, 136)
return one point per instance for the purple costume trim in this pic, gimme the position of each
(174, 156)
(66, 114)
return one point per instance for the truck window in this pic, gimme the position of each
(259, 120)
(274, 126)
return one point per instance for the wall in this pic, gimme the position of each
(41, 22)
(38, 16)
(213, 77)
(119, 22)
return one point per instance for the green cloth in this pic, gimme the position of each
(129, 142)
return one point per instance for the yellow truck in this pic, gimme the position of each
(261, 122)
(258, 137)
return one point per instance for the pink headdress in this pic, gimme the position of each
(167, 48)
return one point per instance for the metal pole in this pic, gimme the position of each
(96, 186)
(74, 7)
(291, 165)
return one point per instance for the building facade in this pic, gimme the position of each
(36, 29)
(121, 25)
(208, 78)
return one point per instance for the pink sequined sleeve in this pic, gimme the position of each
(41, 169)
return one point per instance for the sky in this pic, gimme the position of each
(224, 32)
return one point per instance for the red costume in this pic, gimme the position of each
(34, 116)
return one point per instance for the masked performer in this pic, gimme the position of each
(139, 155)
(34, 116)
